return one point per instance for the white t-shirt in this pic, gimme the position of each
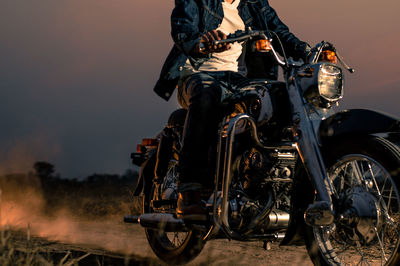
(226, 60)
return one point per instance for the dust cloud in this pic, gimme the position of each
(23, 208)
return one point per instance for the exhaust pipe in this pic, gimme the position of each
(278, 219)
(162, 221)
(132, 219)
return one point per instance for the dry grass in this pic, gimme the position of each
(30, 255)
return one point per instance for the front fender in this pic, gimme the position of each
(356, 122)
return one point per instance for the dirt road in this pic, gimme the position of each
(67, 227)
(114, 243)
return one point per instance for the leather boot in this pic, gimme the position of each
(190, 208)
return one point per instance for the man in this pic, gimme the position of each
(205, 76)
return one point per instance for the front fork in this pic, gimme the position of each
(321, 212)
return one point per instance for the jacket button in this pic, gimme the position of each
(167, 94)
(180, 68)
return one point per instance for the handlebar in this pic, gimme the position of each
(240, 35)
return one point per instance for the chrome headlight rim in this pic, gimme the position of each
(338, 72)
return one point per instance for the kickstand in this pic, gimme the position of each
(267, 245)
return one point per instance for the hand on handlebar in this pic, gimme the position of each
(207, 44)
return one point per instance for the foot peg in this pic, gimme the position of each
(319, 214)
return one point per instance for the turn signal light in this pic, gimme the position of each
(263, 45)
(149, 142)
(139, 148)
(146, 143)
(329, 56)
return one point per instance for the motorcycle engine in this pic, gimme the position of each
(261, 177)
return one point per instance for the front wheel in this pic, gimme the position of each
(365, 174)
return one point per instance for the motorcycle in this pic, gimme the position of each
(288, 168)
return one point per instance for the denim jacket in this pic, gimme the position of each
(190, 19)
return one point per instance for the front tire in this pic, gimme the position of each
(365, 173)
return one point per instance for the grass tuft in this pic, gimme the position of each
(13, 255)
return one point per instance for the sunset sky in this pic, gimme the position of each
(76, 76)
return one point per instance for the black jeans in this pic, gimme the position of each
(202, 94)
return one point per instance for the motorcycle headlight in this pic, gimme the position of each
(330, 82)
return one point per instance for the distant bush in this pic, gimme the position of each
(98, 195)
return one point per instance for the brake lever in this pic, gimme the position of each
(340, 58)
(318, 51)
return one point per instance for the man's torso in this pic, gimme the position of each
(226, 60)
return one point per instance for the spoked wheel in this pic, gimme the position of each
(365, 175)
(172, 247)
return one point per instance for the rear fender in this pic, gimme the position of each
(146, 175)
(148, 165)
(356, 122)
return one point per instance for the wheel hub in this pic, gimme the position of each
(361, 218)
